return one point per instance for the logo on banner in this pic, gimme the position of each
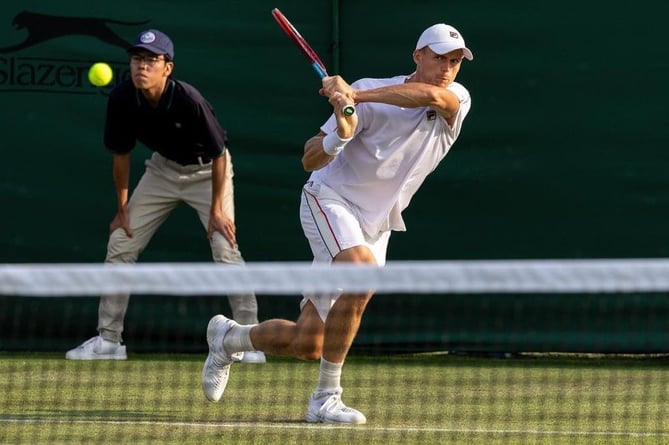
(49, 73)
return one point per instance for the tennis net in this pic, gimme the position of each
(522, 351)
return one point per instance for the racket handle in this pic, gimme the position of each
(348, 110)
(320, 70)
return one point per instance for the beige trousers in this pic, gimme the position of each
(163, 186)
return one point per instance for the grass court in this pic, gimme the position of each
(420, 398)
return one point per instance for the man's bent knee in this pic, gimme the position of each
(308, 350)
(308, 342)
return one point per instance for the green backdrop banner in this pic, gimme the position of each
(564, 153)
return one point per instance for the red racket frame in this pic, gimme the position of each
(306, 50)
(300, 42)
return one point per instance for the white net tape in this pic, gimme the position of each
(488, 276)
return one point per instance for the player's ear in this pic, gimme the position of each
(416, 56)
(169, 66)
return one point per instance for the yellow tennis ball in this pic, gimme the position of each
(100, 74)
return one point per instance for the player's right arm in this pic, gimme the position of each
(121, 173)
(316, 154)
(314, 157)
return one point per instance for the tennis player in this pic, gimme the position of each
(365, 170)
(190, 163)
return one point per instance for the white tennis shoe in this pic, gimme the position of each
(97, 348)
(327, 407)
(216, 370)
(254, 357)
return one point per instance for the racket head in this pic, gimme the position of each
(297, 38)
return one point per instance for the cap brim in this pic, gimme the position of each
(444, 48)
(146, 47)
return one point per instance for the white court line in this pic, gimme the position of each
(326, 426)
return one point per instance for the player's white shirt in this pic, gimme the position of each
(391, 154)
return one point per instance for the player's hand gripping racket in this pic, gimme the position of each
(308, 52)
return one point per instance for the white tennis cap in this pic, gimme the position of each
(443, 39)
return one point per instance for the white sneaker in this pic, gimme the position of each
(254, 357)
(97, 348)
(216, 368)
(327, 407)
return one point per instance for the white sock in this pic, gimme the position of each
(238, 339)
(329, 376)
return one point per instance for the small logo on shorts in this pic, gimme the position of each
(431, 115)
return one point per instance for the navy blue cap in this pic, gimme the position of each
(154, 41)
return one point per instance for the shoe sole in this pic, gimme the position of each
(253, 358)
(318, 419)
(98, 357)
(122, 356)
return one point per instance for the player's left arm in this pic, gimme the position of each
(412, 95)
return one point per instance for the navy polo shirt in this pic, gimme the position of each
(182, 128)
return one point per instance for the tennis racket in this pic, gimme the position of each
(308, 52)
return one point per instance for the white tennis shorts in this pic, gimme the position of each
(330, 225)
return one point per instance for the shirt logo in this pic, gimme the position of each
(431, 115)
